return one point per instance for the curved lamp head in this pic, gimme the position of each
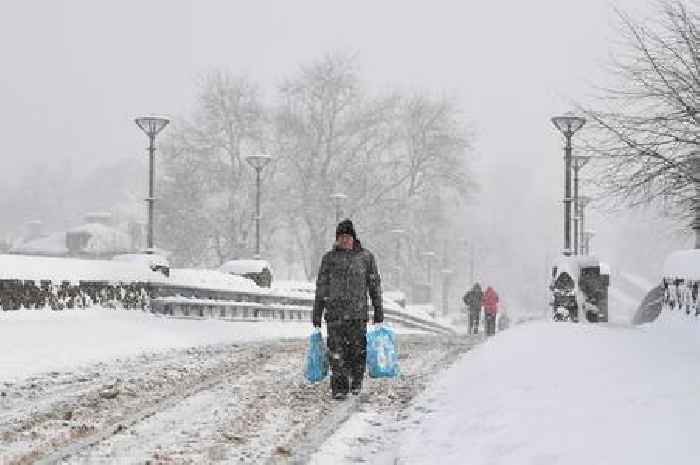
(258, 161)
(568, 124)
(151, 125)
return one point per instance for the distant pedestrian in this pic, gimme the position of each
(472, 299)
(503, 321)
(490, 302)
(348, 273)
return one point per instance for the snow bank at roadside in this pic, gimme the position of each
(565, 393)
(39, 341)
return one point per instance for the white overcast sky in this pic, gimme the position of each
(74, 73)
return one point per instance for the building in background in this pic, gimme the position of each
(96, 238)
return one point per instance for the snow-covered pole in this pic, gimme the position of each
(258, 162)
(338, 197)
(696, 199)
(398, 233)
(257, 211)
(567, 125)
(151, 125)
(579, 162)
(583, 202)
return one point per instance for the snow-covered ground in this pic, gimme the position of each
(547, 393)
(38, 341)
(35, 341)
(105, 386)
(195, 391)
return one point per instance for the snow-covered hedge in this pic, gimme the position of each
(681, 279)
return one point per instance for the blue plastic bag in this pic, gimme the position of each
(316, 363)
(382, 358)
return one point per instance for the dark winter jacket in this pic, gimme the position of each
(472, 299)
(344, 280)
(490, 301)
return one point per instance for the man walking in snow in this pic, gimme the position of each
(348, 273)
(490, 310)
(472, 299)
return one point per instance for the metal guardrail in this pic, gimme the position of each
(250, 311)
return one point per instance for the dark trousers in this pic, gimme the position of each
(347, 344)
(473, 322)
(490, 324)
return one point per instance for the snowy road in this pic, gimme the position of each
(229, 403)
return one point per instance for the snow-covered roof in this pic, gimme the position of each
(683, 264)
(102, 239)
(240, 267)
(53, 244)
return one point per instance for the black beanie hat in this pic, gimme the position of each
(345, 227)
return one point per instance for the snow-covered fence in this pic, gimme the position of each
(58, 283)
(680, 282)
(272, 309)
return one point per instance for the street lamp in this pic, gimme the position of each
(258, 162)
(568, 125)
(446, 274)
(397, 259)
(696, 200)
(338, 197)
(588, 237)
(583, 202)
(579, 162)
(151, 125)
(429, 255)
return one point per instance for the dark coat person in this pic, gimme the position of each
(472, 299)
(348, 274)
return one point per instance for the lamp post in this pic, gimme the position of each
(151, 125)
(429, 255)
(258, 162)
(696, 200)
(446, 274)
(583, 202)
(397, 259)
(568, 125)
(338, 197)
(579, 162)
(588, 237)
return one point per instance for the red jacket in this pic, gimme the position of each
(490, 301)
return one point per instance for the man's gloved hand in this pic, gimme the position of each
(317, 324)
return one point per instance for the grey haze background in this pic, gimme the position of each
(74, 73)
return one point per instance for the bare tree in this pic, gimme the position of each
(316, 123)
(383, 152)
(206, 214)
(646, 128)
